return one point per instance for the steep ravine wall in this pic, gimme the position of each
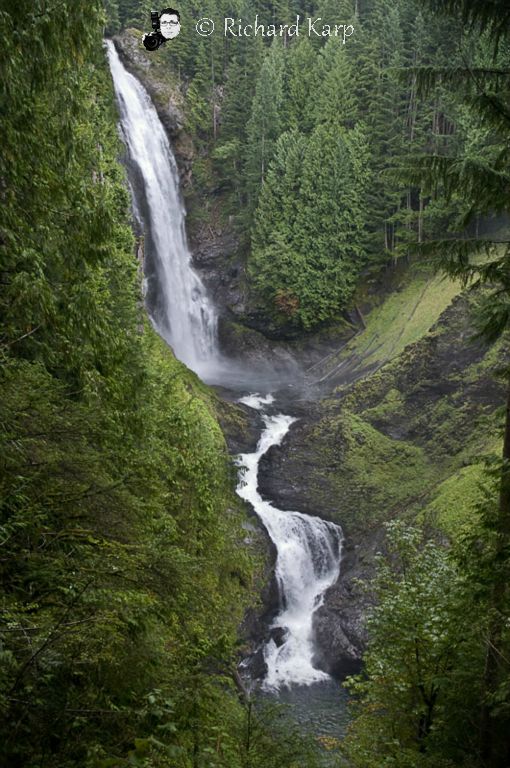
(385, 447)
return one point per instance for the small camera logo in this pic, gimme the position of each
(165, 26)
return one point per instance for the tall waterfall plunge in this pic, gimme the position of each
(182, 313)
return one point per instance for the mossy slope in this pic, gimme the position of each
(402, 307)
(385, 446)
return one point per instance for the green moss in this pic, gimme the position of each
(387, 445)
(392, 400)
(491, 363)
(453, 509)
(389, 470)
(403, 318)
(372, 475)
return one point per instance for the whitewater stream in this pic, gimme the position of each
(308, 548)
(307, 563)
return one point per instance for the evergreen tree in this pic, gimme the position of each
(265, 123)
(113, 22)
(331, 219)
(307, 242)
(335, 99)
(229, 154)
(276, 262)
(301, 86)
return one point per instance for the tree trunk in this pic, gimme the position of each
(360, 317)
(494, 742)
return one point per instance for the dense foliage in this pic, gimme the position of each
(440, 695)
(123, 581)
(416, 703)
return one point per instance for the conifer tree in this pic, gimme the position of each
(308, 236)
(301, 86)
(335, 98)
(266, 120)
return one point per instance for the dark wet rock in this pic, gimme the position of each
(240, 425)
(217, 254)
(278, 478)
(278, 635)
(339, 625)
(255, 665)
(274, 362)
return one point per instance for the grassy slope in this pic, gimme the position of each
(405, 316)
(415, 301)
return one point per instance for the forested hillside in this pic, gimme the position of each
(305, 138)
(123, 578)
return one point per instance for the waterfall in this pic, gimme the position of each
(307, 563)
(182, 314)
(308, 548)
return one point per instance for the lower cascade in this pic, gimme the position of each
(307, 563)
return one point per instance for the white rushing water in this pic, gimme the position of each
(308, 562)
(185, 317)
